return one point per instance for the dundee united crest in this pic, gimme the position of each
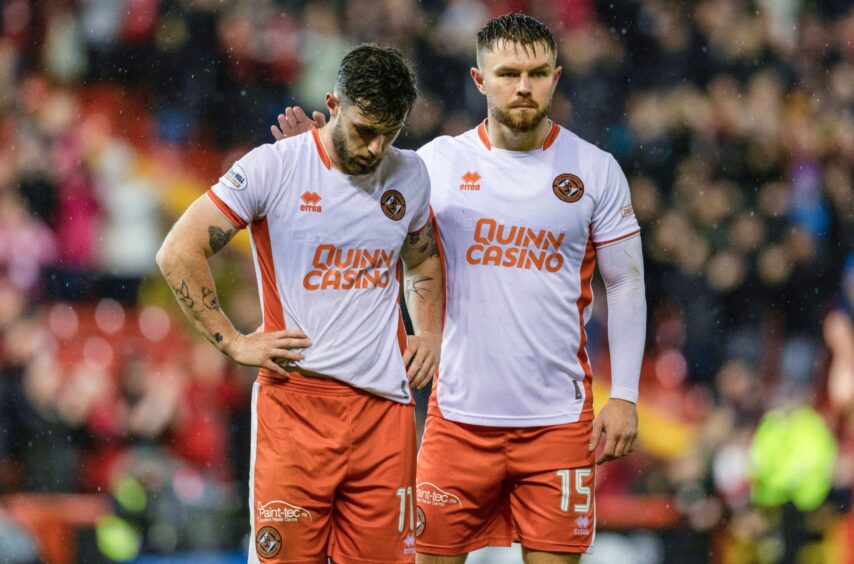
(568, 187)
(268, 542)
(393, 204)
(420, 521)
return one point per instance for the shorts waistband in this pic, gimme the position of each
(320, 385)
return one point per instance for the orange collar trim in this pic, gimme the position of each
(484, 136)
(550, 138)
(324, 156)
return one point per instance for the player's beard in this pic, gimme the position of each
(522, 123)
(352, 163)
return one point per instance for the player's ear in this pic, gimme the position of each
(477, 77)
(557, 73)
(333, 103)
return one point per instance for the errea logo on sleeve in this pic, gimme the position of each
(235, 178)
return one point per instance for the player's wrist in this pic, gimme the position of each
(624, 401)
(433, 336)
(624, 393)
(229, 344)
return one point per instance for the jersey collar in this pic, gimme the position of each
(484, 136)
(324, 156)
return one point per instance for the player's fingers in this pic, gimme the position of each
(289, 334)
(608, 451)
(283, 123)
(292, 343)
(630, 444)
(416, 364)
(277, 133)
(289, 117)
(620, 443)
(409, 353)
(299, 114)
(270, 365)
(286, 353)
(595, 435)
(427, 375)
(423, 372)
(319, 119)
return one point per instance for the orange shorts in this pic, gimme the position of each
(490, 486)
(332, 474)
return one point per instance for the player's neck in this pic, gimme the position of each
(325, 134)
(503, 137)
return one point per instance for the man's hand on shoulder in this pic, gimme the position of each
(619, 421)
(295, 121)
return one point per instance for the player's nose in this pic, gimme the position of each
(377, 145)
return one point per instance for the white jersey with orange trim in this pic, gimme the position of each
(518, 232)
(326, 248)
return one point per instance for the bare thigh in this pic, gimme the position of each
(539, 557)
(435, 559)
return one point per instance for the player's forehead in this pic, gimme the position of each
(363, 119)
(516, 55)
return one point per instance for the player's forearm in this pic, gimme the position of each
(621, 266)
(189, 276)
(424, 293)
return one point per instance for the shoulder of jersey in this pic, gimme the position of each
(294, 143)
(406, 160)
(569, 140)
(445, 142)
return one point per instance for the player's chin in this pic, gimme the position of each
(363, 166)
(525, 123)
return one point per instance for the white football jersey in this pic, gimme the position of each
(326, 247)
(519, 232)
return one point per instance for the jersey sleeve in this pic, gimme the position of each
(614, 218)
(422, 189)
(243, 192)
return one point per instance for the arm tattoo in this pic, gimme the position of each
(217, 337)
(420, 245)
(183, 295)
(412, 287)
(209, 299)
(218, 238)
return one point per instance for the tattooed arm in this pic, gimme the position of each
(183, 259)
(424, 293)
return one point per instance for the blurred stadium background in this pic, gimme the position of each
(123, 436)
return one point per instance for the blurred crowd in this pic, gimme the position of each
(731, 118)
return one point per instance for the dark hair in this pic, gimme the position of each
(515, 28)
(378, 81)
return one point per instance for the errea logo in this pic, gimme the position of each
(409, 544)
(470, 181)
(582, 527)
(310, 202)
